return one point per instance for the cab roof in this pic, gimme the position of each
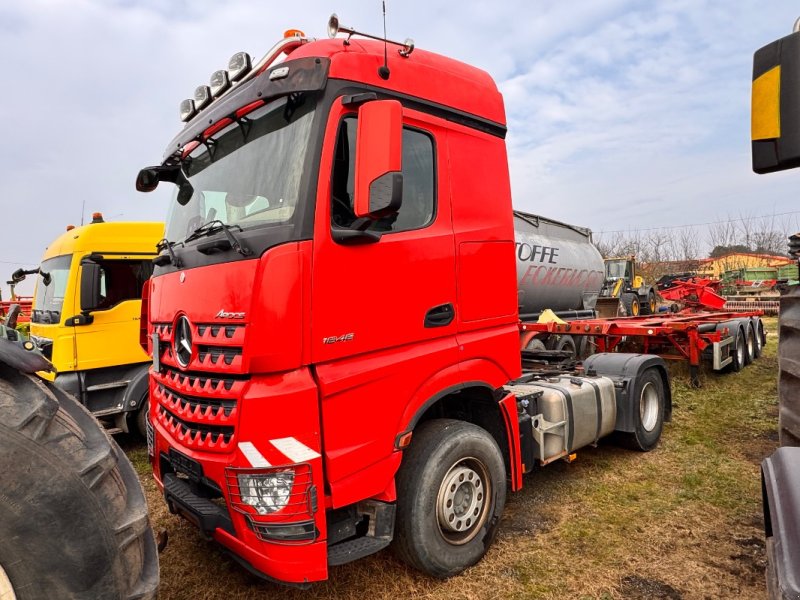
(422, 74)
(117, 237)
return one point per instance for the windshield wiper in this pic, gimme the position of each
(215, 226)
(169, 257)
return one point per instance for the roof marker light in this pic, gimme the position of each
(220, 81)
(202, 96)
(187, 109)
(239, 65)
(289, 33)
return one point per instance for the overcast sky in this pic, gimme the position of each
(622, 114)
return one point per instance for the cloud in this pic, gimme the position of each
(621, 113)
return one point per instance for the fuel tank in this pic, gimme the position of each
(558, 267)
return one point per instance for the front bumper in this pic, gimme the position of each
(193, 479)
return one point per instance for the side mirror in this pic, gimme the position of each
(90, 286)
(379, 158)
(147, 180)
(775, 110)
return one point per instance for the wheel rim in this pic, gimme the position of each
(652, 305)
(6, 589)
(462, 505)
(749, 341)
(648, 406)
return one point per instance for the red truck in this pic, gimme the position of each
(333, 317)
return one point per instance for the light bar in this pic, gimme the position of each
(202, 97)
(219, 82)
(187, 109)
(239, 65)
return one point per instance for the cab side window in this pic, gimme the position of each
(418, 207)
(122, 280)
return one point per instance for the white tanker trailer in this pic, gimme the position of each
(558, 268)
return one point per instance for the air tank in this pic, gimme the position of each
(558, 267)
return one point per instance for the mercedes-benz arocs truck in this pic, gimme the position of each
(334, 321)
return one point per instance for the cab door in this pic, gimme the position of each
(383, 310)
(111, 337)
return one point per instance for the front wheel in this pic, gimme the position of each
(451, 490)
(631, 303)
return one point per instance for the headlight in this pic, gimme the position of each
(266, 493)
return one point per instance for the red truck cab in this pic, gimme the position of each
(339, 286)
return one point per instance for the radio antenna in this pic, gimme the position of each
(383, 71)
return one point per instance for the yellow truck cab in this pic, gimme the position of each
(86, 314)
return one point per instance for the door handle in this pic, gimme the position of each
(439, 316)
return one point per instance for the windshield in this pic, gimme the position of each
(49, 299)
(249, 176)
(616, 269)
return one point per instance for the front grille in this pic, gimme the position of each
(195, 434)
(216, 352)
(199, 404)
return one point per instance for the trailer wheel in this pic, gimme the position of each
(631, 303)
(760, 337)
(749, 342)
(74, 519)
(651, 405)
(451, 490)
(739, 350)
(566, 343)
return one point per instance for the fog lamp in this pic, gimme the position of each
(202, 96)
(219, 82)
(267, 493)
(239, 65)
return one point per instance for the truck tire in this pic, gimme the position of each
(738, 349)
(758, 329)
(451, 490)
(563, 343)
(631, 303)
(749, 341)
(73, 517)
(789, 368)
(650, 416)
(142, 416)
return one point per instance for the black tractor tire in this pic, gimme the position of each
(73, 516)
(738, 348)
(789, 368)
(630, 302)
(649, 409)
(451, 490)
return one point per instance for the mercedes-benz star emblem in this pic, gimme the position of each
(182, 342)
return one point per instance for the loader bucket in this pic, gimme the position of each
(607, 308)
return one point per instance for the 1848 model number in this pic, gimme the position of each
(347, 337)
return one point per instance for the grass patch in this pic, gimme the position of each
(682, 521)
